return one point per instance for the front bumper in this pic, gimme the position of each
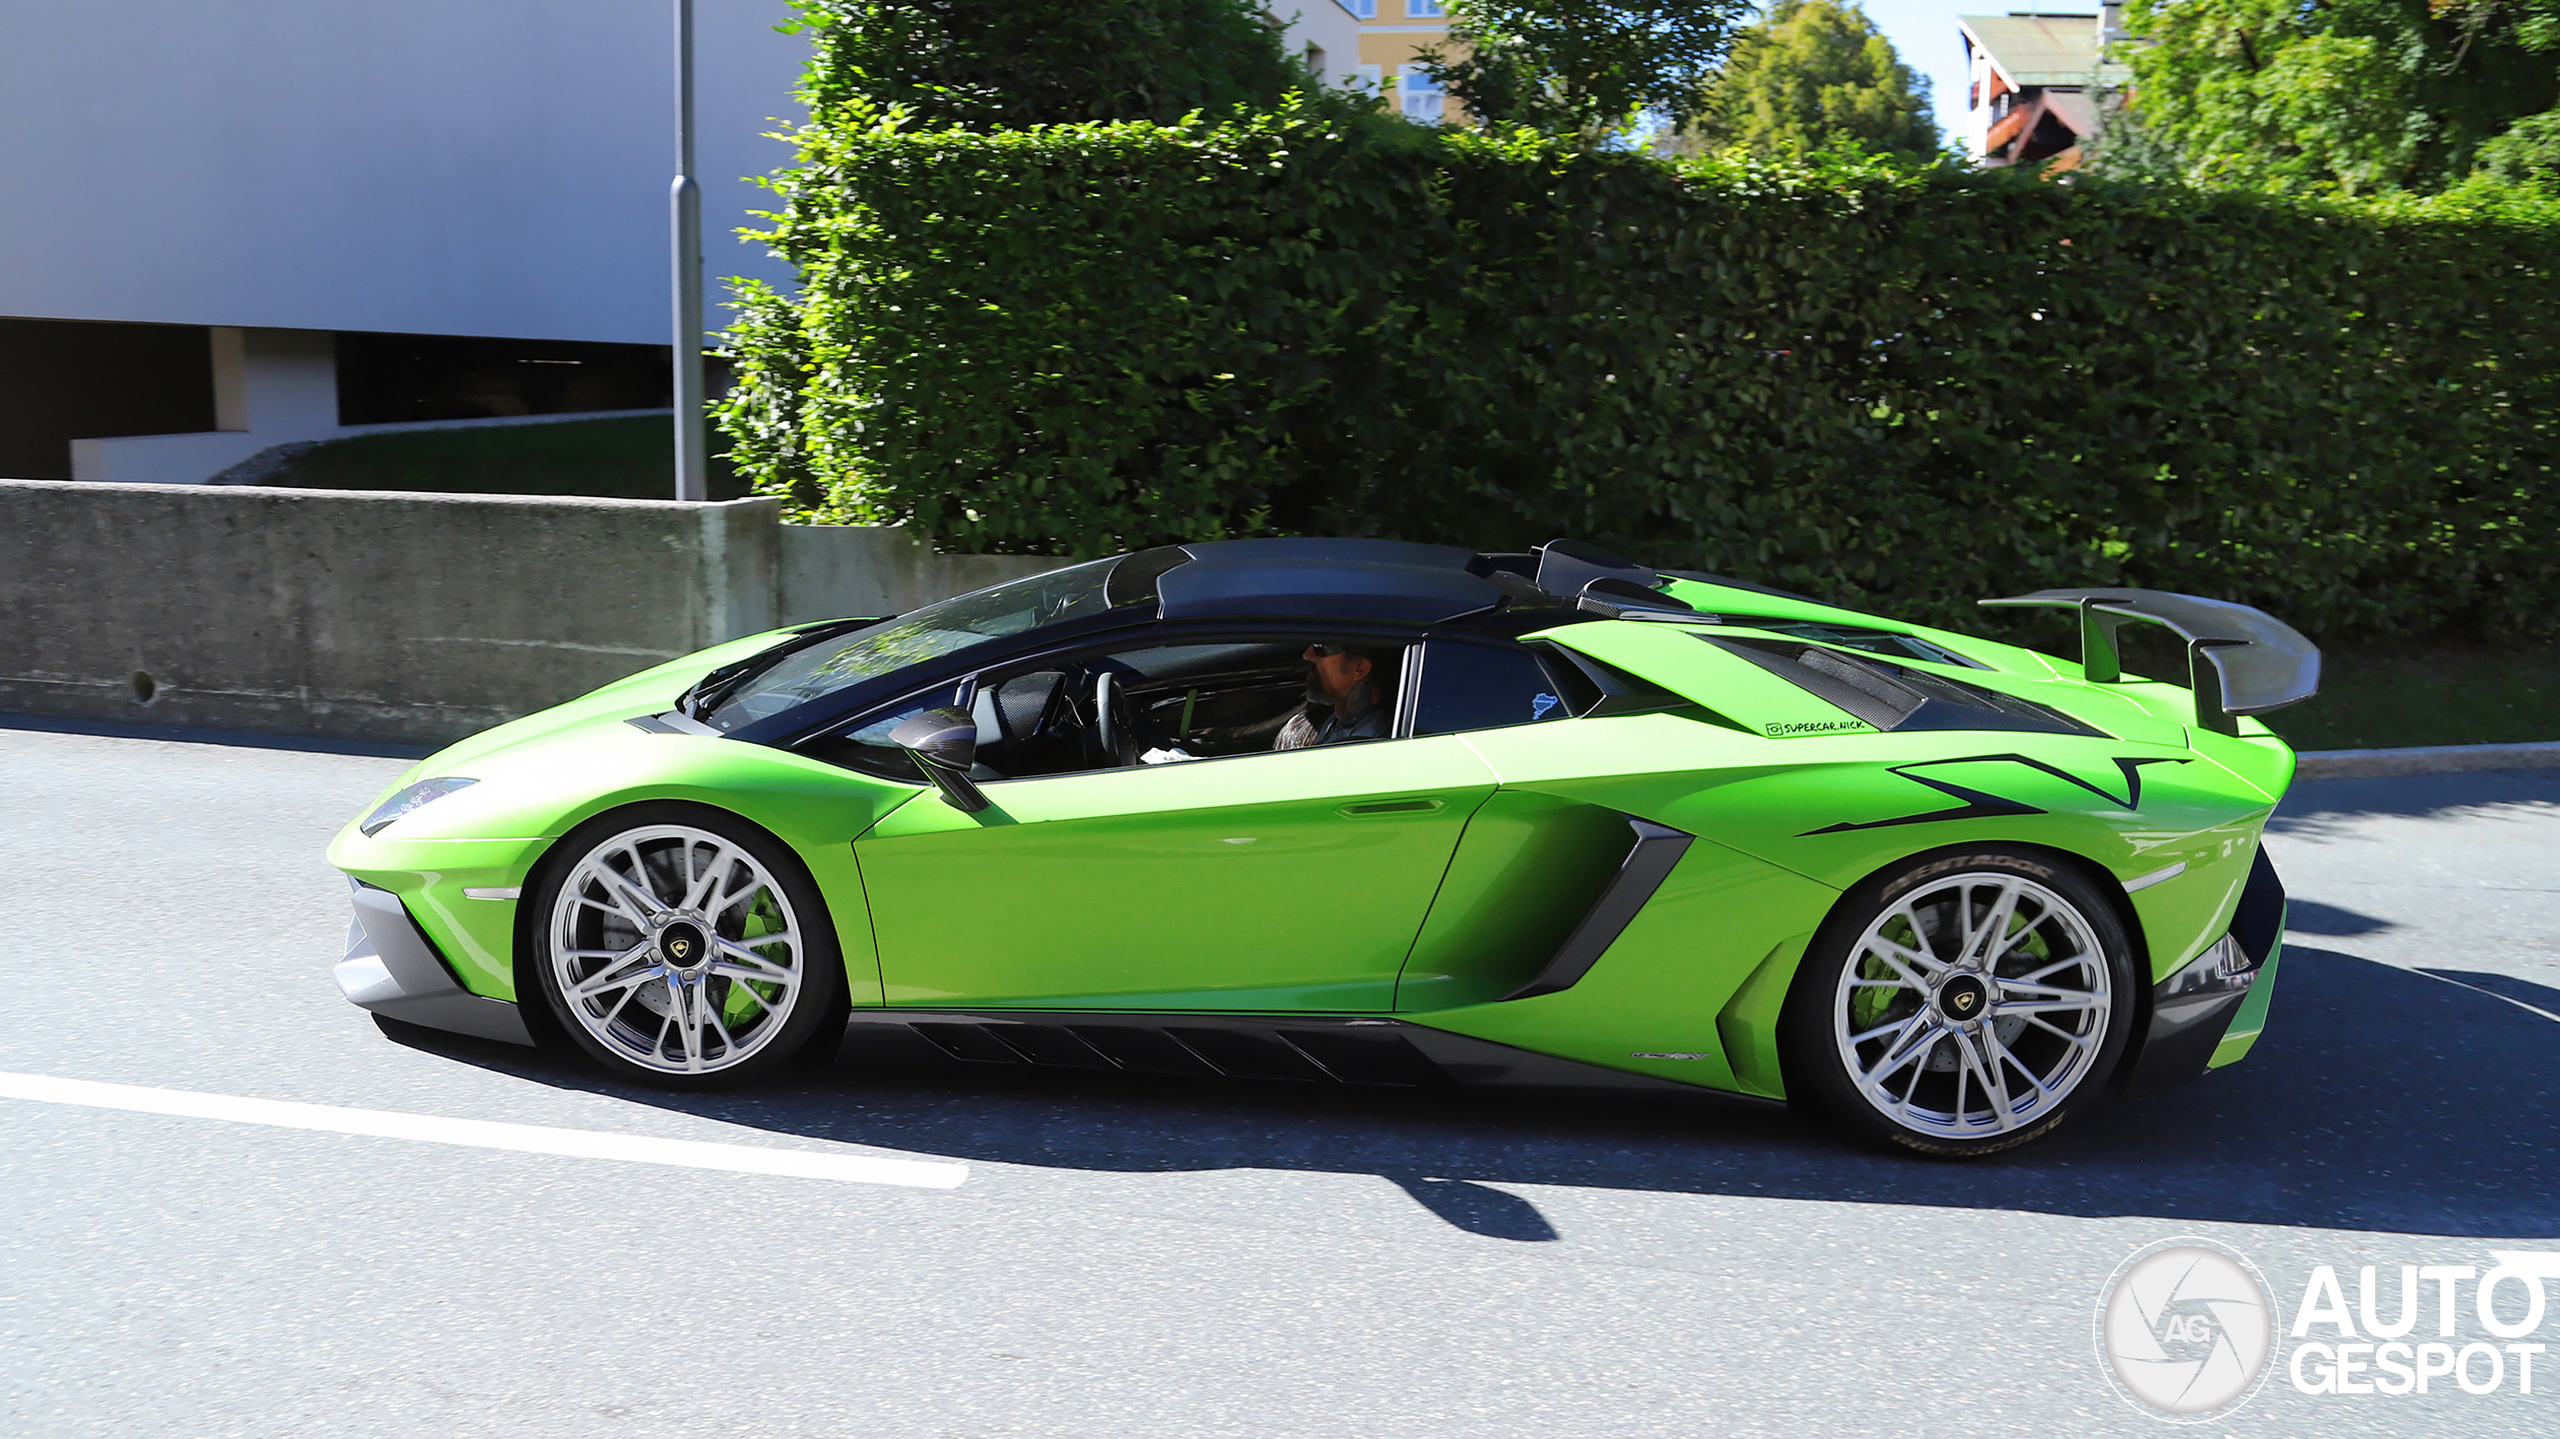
(2209, 1012)
(394, 971)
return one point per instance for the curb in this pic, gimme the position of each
(2438, 759)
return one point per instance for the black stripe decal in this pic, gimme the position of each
(1980, 805)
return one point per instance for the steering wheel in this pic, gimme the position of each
(1106, 704)
(1114, 730)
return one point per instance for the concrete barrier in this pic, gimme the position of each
(823, 572)
(2432, 759)
(205, 456)
(405, 618)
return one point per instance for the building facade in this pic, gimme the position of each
(1394, 35)
(2038, 83)
(238, 225)
(1323, 35)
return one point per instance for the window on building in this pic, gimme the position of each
(1364, 9)
(1423, 9)
(1422, 94)
(1373, 78)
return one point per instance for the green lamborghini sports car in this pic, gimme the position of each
(1373, 812)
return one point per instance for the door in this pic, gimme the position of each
(1288, 880)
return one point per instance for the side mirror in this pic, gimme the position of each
(944, 744)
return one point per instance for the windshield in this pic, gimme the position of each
(838, 661)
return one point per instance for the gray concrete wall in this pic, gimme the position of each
(201, 456)
(410, 618)
(830, 571)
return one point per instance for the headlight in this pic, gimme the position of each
(412, 799)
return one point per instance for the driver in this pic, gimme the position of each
(1345, 699)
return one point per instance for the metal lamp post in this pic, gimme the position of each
(685, 200)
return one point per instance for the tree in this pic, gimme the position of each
(2528, 154)
(1815, 75)
(2346, 96)
(995, 66)
(1582, 68)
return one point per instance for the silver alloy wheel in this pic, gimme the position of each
(1973, 1006)
(676, 949)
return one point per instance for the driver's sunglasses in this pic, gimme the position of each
(1326, 651)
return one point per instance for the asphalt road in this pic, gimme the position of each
(1126, 1257)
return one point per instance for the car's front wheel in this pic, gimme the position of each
(1962, 1004)
(683, 947)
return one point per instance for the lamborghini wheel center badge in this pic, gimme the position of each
(683, 945)
(1964, 998)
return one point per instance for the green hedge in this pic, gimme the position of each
(982, 64)
(1889, 386)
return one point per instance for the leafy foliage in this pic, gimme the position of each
(1815, 75)
(968, 62)
(1582, 68)
(2348, 96)
(2528, 154)
(1897, 385)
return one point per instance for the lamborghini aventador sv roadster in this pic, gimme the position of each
(1370, 812)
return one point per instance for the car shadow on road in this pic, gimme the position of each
(2380, 1099)
(2313, 805)
(2310, 916)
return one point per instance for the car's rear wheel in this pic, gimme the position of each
(682, 947)
(1962, 1003)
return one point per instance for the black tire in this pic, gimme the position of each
(2020, 1030)
(813, 1008)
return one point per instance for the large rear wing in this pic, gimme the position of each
(2240, 661)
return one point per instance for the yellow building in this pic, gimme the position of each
(1393, 33)
(1371, 45)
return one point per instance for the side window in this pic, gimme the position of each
(1473, 686)
(1153, 704)
(1168, 703)
(864, 744)
(1014, 708)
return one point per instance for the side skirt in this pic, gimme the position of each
(1306, 1049)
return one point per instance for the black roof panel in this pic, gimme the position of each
(1317, 547)
(1320, 588)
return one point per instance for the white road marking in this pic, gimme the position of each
(2442, 978)
(487, 1134)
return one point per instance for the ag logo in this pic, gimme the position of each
(2185, 1329)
